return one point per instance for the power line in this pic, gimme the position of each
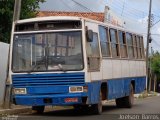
(124, 12)
(82, 5)
(66, 4)
(132, 11)
(155, 23)
(129, 10)
(156, 43)
(86, 8)
(130, 7)
(151, 34)
(123, 7)
(130, 14)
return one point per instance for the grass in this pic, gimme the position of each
(146, 94)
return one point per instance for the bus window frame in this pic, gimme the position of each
(122, 44)
(143, 51)
(106, 42)
(117, 43)
(139, 47)
(131, 45)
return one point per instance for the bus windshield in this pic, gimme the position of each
(57, 51)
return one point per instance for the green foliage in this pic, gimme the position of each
(28, 10)
(155, 63)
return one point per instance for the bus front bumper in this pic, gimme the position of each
(55, 99)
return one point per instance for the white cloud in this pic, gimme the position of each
(158, 30)
(143, 20)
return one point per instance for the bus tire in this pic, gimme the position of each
(77, 107)
(38, 109)
(127, 101)
(97, 108)
(120, 102)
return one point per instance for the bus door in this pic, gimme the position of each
(93, 52)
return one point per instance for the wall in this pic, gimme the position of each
(4, 48)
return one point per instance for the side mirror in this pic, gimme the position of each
(89, 36)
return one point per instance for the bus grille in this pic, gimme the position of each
(47, 79)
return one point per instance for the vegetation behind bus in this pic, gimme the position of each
(29, 10)
(155, 64)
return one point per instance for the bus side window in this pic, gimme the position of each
(130, 45)
(123, 44)
(104, 40)
(142, 45)
(135, 46)
(139, 47)
(114, 43)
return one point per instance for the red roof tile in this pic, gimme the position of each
(91, 15)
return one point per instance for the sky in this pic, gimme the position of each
(134, 12)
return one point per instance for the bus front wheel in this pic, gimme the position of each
(97, 108)
(38, 109)
(126, 101)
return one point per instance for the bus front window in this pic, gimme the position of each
(58, 51)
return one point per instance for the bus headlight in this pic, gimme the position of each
(20, 91)
(74, 89)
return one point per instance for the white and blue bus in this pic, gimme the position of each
(73, 61)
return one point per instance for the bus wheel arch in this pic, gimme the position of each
(133, 84)
(104, 90)
(126, 102)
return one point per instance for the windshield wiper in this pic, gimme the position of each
(36, 65)
(32, 68)
(61, 68)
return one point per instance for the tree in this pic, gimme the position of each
(155, 63)
(28, 10)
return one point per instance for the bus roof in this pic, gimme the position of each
(50, 18)
(47, 19)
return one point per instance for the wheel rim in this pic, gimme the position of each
(100, 107)
(100, 104)
(132, 95)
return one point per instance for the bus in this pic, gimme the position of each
(74, 61)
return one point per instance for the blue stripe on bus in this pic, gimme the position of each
(60, 89)
(120, 87)
(57, 99)
(26, 80)
(117, 88)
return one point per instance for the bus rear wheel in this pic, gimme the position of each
(127, 101)
(38, 109)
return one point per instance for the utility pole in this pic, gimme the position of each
(8, 88)
(17, 10)
(147, 48)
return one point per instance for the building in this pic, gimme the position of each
(4, 50)
(91, 15)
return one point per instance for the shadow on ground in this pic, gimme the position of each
(73, 113)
